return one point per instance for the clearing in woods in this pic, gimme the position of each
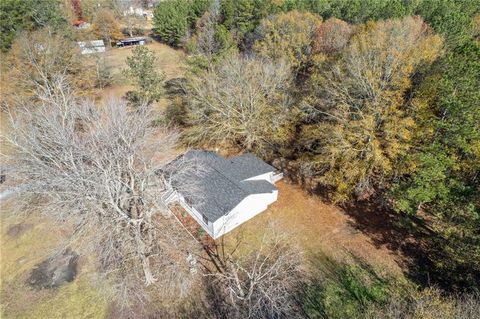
(313, 225)
(169, 60)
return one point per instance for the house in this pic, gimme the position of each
(89, 47)
(227, 191)
(138, 12)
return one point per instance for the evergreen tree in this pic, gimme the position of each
(173, 19)
(142, 70)
(444, 182)
(28, 15)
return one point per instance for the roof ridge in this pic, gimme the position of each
(235, 183)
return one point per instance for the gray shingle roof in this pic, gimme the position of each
(221, 185)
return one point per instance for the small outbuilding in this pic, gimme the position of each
(89, 47)
(227, 191)
(132, 41)
(138, 12)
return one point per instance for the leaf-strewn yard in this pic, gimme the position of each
(316, 226)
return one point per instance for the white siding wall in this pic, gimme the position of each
(267, 176)
(248, 208)
(89, 47)
(197, 216)
(90, 50)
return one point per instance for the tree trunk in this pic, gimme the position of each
(149, 278)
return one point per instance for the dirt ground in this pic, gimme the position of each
(317, 227)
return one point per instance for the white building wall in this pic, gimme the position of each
(197, 216)
(89, 47)
(88, 50)
(248, 208)
(267, 176)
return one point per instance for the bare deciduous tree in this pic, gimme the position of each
(243, 102)
(260, 284)
(98, 168)
(204, 39)
(37, 58)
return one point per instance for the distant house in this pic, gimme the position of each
(132, 41)
(138, 12)
(227, 191)
(89, 47)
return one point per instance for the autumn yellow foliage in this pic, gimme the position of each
(362, 125)
(288, 36)
(38, 58)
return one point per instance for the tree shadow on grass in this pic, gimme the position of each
(341, 289)
(404, 235)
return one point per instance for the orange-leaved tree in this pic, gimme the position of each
(332, 36)
(105, 26)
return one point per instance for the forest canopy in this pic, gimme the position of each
(369, 107)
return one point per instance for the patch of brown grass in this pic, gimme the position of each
(20, 252)
(170, 61)
(315, 226)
